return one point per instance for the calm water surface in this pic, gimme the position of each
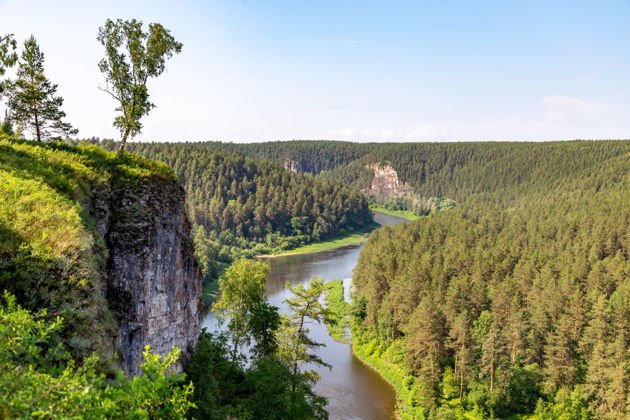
(354, 391)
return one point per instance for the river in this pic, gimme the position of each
(354, 391)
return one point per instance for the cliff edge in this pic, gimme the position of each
(153, 283)
(103, 241)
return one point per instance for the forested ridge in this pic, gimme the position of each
(450, 170)
(312, 156)
(516, 301)
(240, 206)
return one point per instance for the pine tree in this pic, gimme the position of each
(8, 57)
(425, 348)
(560, 355)
(32, 100)
(461, 345)
(295, 344)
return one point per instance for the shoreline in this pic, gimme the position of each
(356, 237)
(403, 214)
(340, 309)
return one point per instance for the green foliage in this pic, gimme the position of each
(271, 386)
(294, 344)
(32, 100)
(263, 325)
(33, 383)
(132, 56)
(6, 127)
(249, 207)
(507, 299)
(241, 292)
(565, 406)
(8, 58)
(411, 206)
(338, 311)
(51, 255)
(266, 389)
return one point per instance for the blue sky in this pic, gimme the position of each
(354, 70)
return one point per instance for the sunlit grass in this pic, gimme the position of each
(339, 241)
(339, 311)
(405, 214)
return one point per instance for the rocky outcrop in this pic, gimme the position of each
(153, 285)
(385, 183)
(292, 165)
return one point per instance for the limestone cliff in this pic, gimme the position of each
(292, 165)
(102, 240)
(385, 183)
(153, 283)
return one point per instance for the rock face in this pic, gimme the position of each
(385, 183)
(154, 284)
(292, 165)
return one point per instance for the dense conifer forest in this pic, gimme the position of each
(516, 301)
(241, 206)
(446, 170)
(138, 280)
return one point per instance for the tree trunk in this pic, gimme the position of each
(295, 363)
(123, 141)
(37, 130)
(461, 374)
(235, 350)
(492, 374)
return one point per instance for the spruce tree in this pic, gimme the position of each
(32, 100)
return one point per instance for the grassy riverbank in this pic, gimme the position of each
(405, 214)
(389, 363)
(210, 286)
(338, 323)
(339, 311)
(339, 241)
(406, 406)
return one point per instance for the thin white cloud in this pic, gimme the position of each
(561, 107)
(428, 132)
(421, 132)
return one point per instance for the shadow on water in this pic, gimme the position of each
(354, 391)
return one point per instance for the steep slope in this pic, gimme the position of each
(102, 240)
(516, 301)
(241, 206)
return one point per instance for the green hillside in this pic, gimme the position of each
(516, 301)
(55, 325)
(51, 255)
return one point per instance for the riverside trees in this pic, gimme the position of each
(272, 385)
(241, 290)
(518, 300)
